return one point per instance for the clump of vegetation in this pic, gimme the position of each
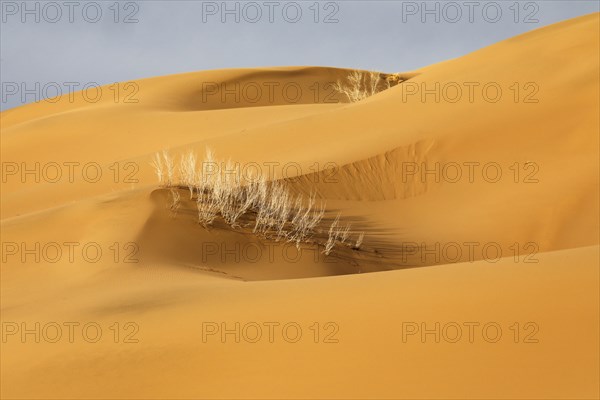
(267, 208)
(359, 85)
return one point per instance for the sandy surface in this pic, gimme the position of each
(478, 278)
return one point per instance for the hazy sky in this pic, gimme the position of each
(69, 44)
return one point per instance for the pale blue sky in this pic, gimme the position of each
(168, 37)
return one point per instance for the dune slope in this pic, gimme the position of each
(482, 171)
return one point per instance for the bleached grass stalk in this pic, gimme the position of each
(344, 233)
(159, 168)
(207, 209)
(359, 241)
(306, 220)
(164, 168)
(175, 200)
(339, 234)
(333, 234)
(187, 168)
(169, 169)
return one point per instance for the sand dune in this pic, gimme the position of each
(475, 182)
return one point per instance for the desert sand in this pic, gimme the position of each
(516, 317)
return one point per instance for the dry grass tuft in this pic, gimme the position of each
(360, 85)
(267, 208)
